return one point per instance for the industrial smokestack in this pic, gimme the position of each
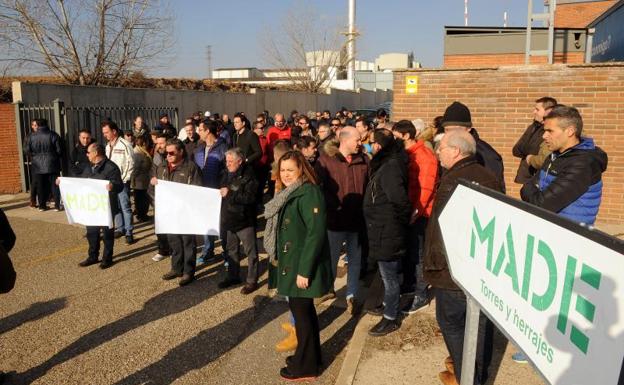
(505, 19)
(465, 13)
(351, 42)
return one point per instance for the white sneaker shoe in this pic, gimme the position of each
(158, 257)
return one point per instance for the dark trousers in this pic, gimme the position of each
(46, 184)
(182, 253)
(94, 236)
(34, 189)
(451, 316)
(163, 244)
(262, 173)
(247, 237)
(141, 203)
(307, 359)
(412, 277)
(389, 271)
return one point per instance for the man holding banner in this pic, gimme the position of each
(103, 169)
(180, 169)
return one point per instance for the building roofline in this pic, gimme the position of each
(606, 13)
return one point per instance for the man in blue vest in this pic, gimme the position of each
(570, 180)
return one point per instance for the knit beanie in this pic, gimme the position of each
(457, 114)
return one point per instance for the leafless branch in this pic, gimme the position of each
(86, 41)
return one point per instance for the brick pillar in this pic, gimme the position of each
(10, 178)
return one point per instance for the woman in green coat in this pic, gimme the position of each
(296, 241)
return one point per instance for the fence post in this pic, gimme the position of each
(59, 128)
(20, 145)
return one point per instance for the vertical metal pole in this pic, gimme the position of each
(470, 341)
(527, 53)
(20, 144)
(551, 30)
(351, 44)
(589, 44)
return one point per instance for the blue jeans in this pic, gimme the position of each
(123, 219)
(389, 271)
(354, 254)
(412, 267)
(209, 241)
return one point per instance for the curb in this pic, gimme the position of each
(350, 364)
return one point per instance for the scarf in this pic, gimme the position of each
(271, 214)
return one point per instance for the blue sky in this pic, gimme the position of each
(233, 27)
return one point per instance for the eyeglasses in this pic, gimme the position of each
(172, 153)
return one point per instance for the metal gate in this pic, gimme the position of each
(67, 121)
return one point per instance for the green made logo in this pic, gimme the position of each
(519, 271)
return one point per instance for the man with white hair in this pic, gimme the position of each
(457, 154)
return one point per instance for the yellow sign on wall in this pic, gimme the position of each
(411, 84)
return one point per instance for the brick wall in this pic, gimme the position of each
(501, 101)
(10, 179)
(495, 60)
(579, 15)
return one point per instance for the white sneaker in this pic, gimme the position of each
(158, 257)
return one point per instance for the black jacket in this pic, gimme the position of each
(435, 262)
(78, 160)
(249, 144)
(489, 158)
(166, 129)
(45, 149)
(7, 241)
(387, 208)
(528, 144)
(238, 208)
(107, 170)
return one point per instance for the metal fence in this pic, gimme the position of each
(67, 121)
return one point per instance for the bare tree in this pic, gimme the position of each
(306, 47)
(84, 41)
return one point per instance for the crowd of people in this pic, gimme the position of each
(324, 187)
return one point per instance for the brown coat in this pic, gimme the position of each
(343, 185)
(435, 265)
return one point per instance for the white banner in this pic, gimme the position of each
(86, 201)
(556, 290)
(186, 209)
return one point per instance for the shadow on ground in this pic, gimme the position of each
(34, 312)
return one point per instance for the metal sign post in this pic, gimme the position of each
(471, 333)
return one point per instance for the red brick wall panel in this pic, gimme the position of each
(495, 60)
(580, 15)
(501, 101)
(10, 177)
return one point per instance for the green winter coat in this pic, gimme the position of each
(302, 247)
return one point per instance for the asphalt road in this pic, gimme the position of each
(63, 324)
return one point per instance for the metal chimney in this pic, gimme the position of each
(351, 34)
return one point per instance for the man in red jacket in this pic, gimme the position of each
(422, 176)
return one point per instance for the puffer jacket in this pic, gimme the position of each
(211, 166)
(387, 208)
(45, 150)
(422, 176)
(570, 182)
(489, 158)
(238, 207)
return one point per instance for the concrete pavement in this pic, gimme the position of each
(63, 324)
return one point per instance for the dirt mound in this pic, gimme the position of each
(417, 331)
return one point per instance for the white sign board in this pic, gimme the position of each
(559, 295)
(86, 201)
(185, 209)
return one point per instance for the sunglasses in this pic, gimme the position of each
(172, 153)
